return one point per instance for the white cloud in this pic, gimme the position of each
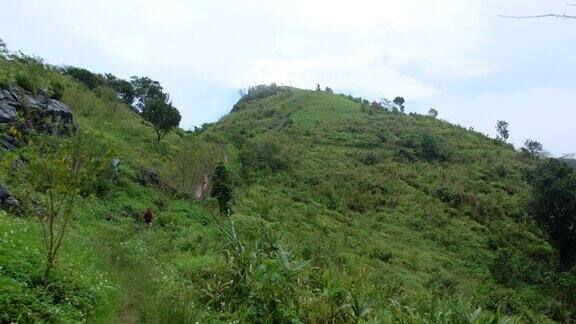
(227, 38)
(430, 52)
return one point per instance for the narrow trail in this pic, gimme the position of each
(128, 311)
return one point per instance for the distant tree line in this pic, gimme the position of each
(553, 206)
(144, 95)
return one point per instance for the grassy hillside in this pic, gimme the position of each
(407, 208)
(341, 214)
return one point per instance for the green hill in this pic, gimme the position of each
(342, 213)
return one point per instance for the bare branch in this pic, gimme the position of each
(541, 16)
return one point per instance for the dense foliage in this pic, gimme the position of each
(222, 189)
(554, 207)
(162, 115)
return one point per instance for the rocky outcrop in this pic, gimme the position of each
(8, 202)
(7, 113)
(40, 113)
(148, 177)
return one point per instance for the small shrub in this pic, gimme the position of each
(425, 148)
(25, 82)
(507, 267)
(56, 90)
(442, 283)
(53, 176)
(369, 159)
(382, 255)
(266, 155)
(450, 196)
(4, 82)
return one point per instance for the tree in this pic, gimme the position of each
(376, 105)
(222, 188)
(318, 87)
(553, 205)
(52, 178)
(3, 49)
(502, 129)
(329, 90)
(569, 159)
(399, 101)
(534, 148)
(146, 89)
(433, 112)
(91, 80)
(124, 89)
(162, 115)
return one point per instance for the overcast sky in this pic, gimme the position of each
(454, 55)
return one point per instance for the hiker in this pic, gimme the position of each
(148, 217)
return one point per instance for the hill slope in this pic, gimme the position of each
(342, 213)
(393, 202)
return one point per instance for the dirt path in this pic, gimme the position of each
(128, 312)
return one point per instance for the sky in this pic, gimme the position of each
(457, 56)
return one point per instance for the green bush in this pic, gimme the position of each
(266, 155)
(56, 90)
(24, 81)
(507, 267)
(4, 82)
(91, 80)
(382, 255)
(369, 159)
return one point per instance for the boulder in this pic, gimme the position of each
(115, 166)
(8, 202)
(40, 113)
(148, 177)
(7, 113)
(8, 142)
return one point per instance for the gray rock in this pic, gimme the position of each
(8, 142)
(7, 113)
(115, 165)
(6, 96)
(7, 201)
(148, 177)
(43, 113)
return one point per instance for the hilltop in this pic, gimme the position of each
(342, 213)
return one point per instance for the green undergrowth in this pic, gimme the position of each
(341, 214)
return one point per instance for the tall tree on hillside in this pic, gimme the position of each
(162, 115)
(502, 129)
(124, 89)
(146, 89)
(222, 188)
(553, 205)
(533, 148)
(399, 101)
(433, 112)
